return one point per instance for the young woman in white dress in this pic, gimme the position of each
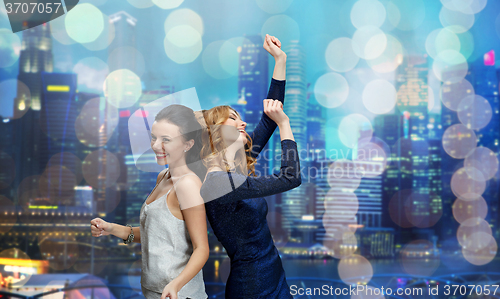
(172, 231)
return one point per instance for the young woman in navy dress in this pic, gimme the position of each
(233, 194)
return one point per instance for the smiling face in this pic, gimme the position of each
(233, 130)
(168, 143)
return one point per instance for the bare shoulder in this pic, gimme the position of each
(188, 192)
(188, 182)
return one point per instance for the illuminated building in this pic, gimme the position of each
(376, 242)
(121, 50)
(253, 79)
(339, 190)
(484, 79)
(35, 57)
(293, 203)
(57, 121)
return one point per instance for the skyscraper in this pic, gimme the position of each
(57, 121)
(121, 51)
(35, 58)
(293, 204)
(253, 81)
(484, 79)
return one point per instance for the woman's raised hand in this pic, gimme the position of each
(274, 109)
(100, 227)
(273, 46)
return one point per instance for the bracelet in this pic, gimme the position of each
(130, 236)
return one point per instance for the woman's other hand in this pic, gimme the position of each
(273, 46)
(274, 109)
(100, 227)
(170, 291)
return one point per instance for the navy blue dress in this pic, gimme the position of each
(237, 213)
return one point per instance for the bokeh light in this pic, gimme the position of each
(101, 169)
(441, 40)
(274, 7)
(283, 27)
(374, 157)
(184, 16)
(343, 205)
(84, 23)
(331, 90)
(344, 175)
(459, 141)
(340, 55)
(122, 88)
(452, 94)
(423, 210)
(456, 21)
(9, 89)
(369, 42)
(344, 247)
(105, 38)
(91, 73)
(211, 62)
(355, 269)
(187, 29)
(354, 127)
(406, 15)
(183, 44)
(464, 210)
(58, 247)
(167, 4)
(465, 6)
(69, 161)
(484, 160)
(470, 227)
(484, 255)
(24, 276)
(10, 47)
(397, 208)
(450, 65)
(91, 128)
(229, 55)
(336, 228)
(59, 32)
(390, 59)
(58, 182)
(379, 96)
(417, 258)
(474, 113)
(368, 12)
(465, 186)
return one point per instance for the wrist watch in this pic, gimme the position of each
(130, 236)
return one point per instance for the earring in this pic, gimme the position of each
(185, 150)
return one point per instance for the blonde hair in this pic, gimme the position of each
(214, 148)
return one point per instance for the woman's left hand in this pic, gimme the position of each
(170, 291)
(273, 46)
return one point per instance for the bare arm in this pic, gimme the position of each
(188, 195)
(100, 227)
